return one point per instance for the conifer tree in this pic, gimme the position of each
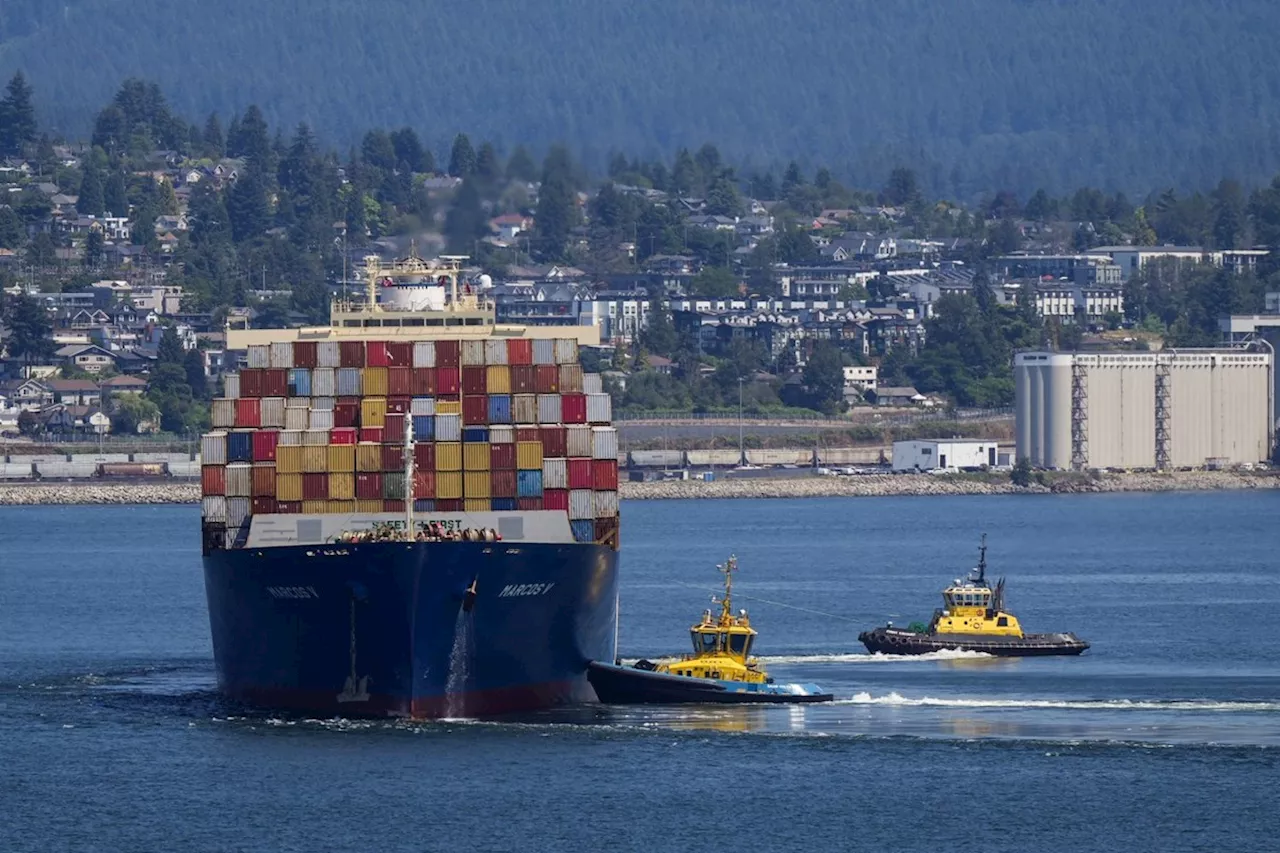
(462, 158)
(17, 117)
(212, 140)
(91, 201)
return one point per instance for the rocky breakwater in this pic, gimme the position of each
(38, 494)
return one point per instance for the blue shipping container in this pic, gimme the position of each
(584, 530)
(239, 446)
(499, 408)
(424, 505)
(299, 382)
(478, 435)
(529, 484)
(348, 381)
(424, 428)
(503, 504)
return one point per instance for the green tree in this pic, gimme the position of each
(715, 283)
(521, 166)
(30, 330)
(659, 336)
(1021, 474)
(824, 379)
(556, 213)
(93, 251)
(462, 157)
(17, 117)
(465, 222)
(212, 140)
(129, 412)
(91, 201)
(115, 195)
(409, 150)
(723, 198)
(13, 233)
(247, 205)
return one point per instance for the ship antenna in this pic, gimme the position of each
(731, 566)
(982, 559)
(408, 477)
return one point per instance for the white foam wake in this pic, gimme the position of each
(898, 700)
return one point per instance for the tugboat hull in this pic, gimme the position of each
(629, 685)
(892, 641)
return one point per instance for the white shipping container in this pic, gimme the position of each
(214, 508)
(604, 443)
(321, 419)
(237, 511)
(259, 356)
(448, 427)
(544, 351)
(315, 437)
(524, 408)
(555, 474)
(592, 383)
(599, 409)
(223, 413)
(549, 410)
(231, 386)
(578, 441)
(348, 382)
(581, 505)
(281, 354)
(239, 480)
(566, 351)
(327, 354)
(502, 434)
(297, 419)
(472, 353)
(291, 437)
(213, 448)
(322, 404)
(604, 504)
(324, 382)
(424, 354)
(272, 409)
(297, 402)
(657, 458)
(422, 406)
(495, 351)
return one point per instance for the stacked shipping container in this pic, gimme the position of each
(497, 425)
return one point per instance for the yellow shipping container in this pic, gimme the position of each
(342, 486)
(289, 461)
(342, 457)
(499, 379)
(369, 505)
(528, 455)
(373, 410)
(475, 484)
(368, 456)
(374, 383)
(449, 457)
(475, 457)
(288, 486)
(476, 505)
(315, 459)
(449, 484)
(448, 407)
(315, 507)
(341, 507)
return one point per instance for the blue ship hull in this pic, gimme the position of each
(380, 629)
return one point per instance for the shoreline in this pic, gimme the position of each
(804, 486)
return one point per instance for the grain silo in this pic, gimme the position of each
(1133, 410)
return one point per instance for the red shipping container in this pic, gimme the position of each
(264, 445)
(346, 414)
(605, 527)
(304, 354)
(315, 487)
(291, 507)
(400, 382)
(368, 487)
(448, 381)
(343, 435)
(351, 353)
(523, 379)
(398, 405)
(264, 506)
(399, 354)
(474, 380)
(528, 433)
(375, 354)
(579, 471)
(373, 434)
(264, 481)
(555, 441)
(502, 457)
(528, 504)
(392, 506)
(424, 484)
(553, 499)
(424, 457)
(604, 475)
(475, 410)
(213, 480)
(502, 484)
(251, 383)
(574, 408)
(448, 353)
(393, 429)
(447, 504)
(519, 351)
(393, 457)
(248, 413)
(275, 382)
(546, 379)
(424, 381)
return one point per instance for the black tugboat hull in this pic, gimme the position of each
(891, 641)
(627, 685)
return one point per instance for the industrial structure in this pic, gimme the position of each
(945, 454)
(1145, 410)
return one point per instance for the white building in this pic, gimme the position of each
(944, 455)
(860, 378)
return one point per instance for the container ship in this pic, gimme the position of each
(413, 511)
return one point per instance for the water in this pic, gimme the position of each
(1165, 736)
(459, 661)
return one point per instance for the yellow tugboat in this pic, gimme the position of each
(720, 670)
(974, 619)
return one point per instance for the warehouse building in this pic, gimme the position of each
(944, 454)
(1139, 410)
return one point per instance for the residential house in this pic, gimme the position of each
(898, 396)
(120, 385)
(660, 364)
(72, 419)
(29, 395)
(509, 225)
(89, 358)
(74, 392)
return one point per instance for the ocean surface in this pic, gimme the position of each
(1165, 736)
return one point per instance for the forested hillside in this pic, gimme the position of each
(975, 95)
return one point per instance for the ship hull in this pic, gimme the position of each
(892, 641)
(389, 629)
(629, 685)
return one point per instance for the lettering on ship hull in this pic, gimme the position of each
(292, 592)
(517, 590)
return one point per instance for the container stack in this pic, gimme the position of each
(498, 425)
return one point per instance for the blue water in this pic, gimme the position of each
(1165, 736)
